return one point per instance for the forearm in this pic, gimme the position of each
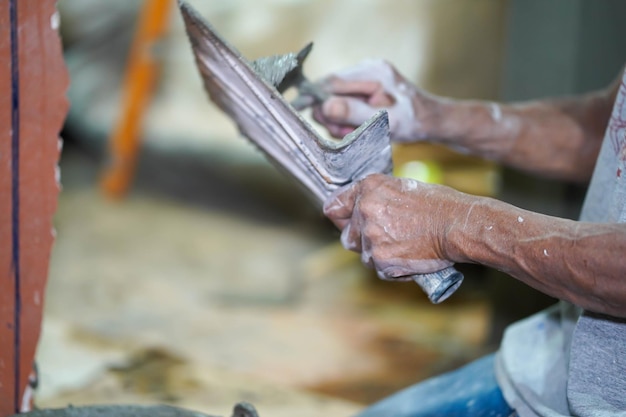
(582, 263)
(555, 138)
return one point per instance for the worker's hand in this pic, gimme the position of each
(399, 225)
(357, 93)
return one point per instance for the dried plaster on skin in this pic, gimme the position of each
(408, 184)
(507, 126)
(469, 213)
(345, 239)
(401, 114)
(395, 267)
(496, 112)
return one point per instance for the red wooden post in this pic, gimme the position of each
(33, 106)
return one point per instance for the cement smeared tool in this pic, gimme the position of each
(241, 409)
(250, 93)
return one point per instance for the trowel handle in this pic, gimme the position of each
(439, 285)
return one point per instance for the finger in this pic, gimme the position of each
(319, 117)
(366, 251)
(404, 269)
(344, 130)
(386, 276)
(351, 237)
(339, 86)
(335, 130)
(342, 223)
(381, 98)
(371, 92)
(340, 203)
(346, 110)
(339, 131)
(389, 271)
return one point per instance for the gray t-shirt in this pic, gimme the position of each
(564, 361)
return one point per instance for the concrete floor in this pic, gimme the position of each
(211, 284)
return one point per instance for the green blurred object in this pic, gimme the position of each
(424, 171)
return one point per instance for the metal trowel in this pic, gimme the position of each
(250, 92)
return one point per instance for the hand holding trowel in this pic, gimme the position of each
(250, 93)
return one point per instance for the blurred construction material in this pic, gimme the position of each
(436, 164)
(200, 305)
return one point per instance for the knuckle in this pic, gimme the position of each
(372, 180)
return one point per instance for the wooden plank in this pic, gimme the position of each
(40, 83)
(7, 273)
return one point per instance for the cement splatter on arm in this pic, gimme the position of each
(400, 227)
(557, 138)
(575, 261)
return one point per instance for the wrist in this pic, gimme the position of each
(482, 128)
(458, 121)
(463, 229)
(436, 118)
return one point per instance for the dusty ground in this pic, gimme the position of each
(200, 295)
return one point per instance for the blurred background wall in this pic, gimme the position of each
(451, 47)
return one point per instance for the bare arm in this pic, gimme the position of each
(557, 138)
(402, 227)
(579, 262)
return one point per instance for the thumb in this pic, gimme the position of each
(347, 110)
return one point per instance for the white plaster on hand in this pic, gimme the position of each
(347, 241)
(393, 223)
(495, 112)
(408, 184)
(401, 113)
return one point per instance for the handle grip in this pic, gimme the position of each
(439, 285)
